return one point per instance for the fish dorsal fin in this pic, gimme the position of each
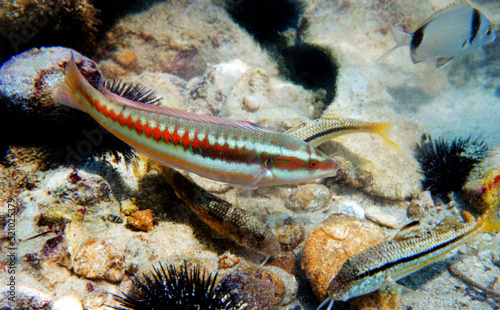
(448, 223)
(410, 230)
(458, 5)
(212, 120)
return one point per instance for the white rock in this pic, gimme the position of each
(67, 303)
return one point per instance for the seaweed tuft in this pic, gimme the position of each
(446, 165)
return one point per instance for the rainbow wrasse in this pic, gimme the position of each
(224, 150)
(451, 31)
(228, 220)
(408, 252)
(320, 130)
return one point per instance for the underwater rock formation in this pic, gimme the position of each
(31, 23)
(331, 244)
(482, 187)
(26, 84)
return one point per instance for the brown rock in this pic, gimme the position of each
(331, 244)
(141, 220)
(126, 58)
(259, 287)
(99, 260)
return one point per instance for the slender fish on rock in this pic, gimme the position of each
(380, 265)
(228, 220)
(225, 150)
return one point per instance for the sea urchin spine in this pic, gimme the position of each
(176, 289)
(446, 165)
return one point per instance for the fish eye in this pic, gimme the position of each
(313, 164)
(488, 32)
(259, 237)
(270, 160)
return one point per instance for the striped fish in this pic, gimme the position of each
(320, 130)
(224, 150)
(378, 266)
(451, 31)
(228, 220)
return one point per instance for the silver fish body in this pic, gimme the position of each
(449, 32)
(455, 30)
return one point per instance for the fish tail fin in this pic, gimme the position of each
(382, 129)
(67, 92)
(491, 218)
(402, 38)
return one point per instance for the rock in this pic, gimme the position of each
(126, 58)
(137, 252)
(59, 214)
(26, 23)
(228, 260)
(420, 205)
(172, 43)
(141, 220)
(259, 287)
(66, 303)
(99, 260)
(30, 78)
(350, 208)
(309, 198)
(331, 244)
(392, 217)
(128, 207)
(482, 188)
(288, 230)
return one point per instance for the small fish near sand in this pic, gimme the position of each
(228, 220)
(379, 266)
(454, 30)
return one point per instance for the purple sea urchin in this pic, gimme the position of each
(173, 289)
(446, 165)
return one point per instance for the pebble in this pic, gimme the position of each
(259, 287)
(331, 244)
(126, 58)
(350, 208)
(128, 207)
(308, 198)
(288, 230)
(67, 303)
(228, 260)
(384, 218)
(99, 260)
(141, 220)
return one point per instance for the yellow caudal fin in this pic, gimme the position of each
(66, 92)
(491, 218)
(382, 129)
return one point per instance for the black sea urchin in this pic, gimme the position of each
(179, 290)
(446, 165)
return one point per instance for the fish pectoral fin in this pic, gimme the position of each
(389, 295)
(443, 61)
(402, 38)
(410, 230)
(450, 222)
(414, 58)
